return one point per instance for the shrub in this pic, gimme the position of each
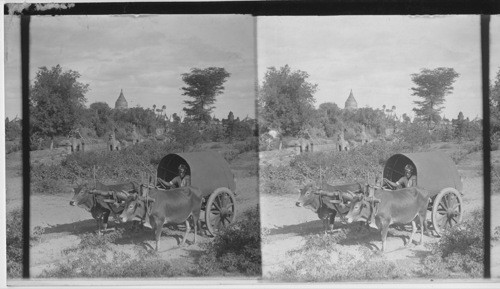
(280, 180)
(495, 179)
(362, 162)
(230, 154)
(250, 144)
(236, 250)
(460, 252)
(14, 234)
(416, 134)
(13, 146)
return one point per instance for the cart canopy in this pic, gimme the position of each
(434, 170)
(208, 170)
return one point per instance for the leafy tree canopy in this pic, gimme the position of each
(286, 100)
(432, 86)
(56, 100)
(203, 85)
(495, 105)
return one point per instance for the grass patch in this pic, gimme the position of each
(323, 259)
(96, 257)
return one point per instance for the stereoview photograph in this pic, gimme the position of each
(371, 156)
(143, 147)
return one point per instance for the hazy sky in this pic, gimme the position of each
(375, 56)
(145, 56)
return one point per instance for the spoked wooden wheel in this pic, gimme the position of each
(220, 210)
(446, 210)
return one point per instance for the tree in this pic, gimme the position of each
(101, 119)
(203, 85)
(432, 87)
(495, 107)
(286, 100)
(56, 100)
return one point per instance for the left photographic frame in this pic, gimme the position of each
(144, 111)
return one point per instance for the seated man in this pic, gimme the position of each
(406, 181)
(182, 180)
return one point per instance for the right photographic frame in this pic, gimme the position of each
(371, 148)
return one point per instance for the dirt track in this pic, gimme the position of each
(63, 223)
(286, 225)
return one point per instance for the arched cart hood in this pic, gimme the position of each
(435, 170)
(208, 170)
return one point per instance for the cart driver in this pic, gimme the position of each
(182, 180)
(406, 181)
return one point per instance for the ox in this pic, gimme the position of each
(319, 200)
(165, 206)
(86, 197)
(386, 207)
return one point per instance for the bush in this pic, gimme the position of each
(13, 146)
(236, 250)
(460, 252)
(416, 135)
(14, 234)
(362, 162)
(280, 180)
(495, 179)
(250, 144)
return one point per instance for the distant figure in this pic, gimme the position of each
(182, 180)
(342, 144)
(406, 181)
(113, 144)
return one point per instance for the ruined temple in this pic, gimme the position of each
(351, 103)
(121, 102)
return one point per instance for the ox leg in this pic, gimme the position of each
(413, 230)
(158, 228)
(331, 221)
(385, 229)
(196, 225)
(326, 224)
(105, 217)
(188, 228)
(423, 227)
(99, 221)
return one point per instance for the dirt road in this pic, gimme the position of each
(63, 224)
(285, 225)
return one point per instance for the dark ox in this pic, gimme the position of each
(166, 206)
(317, 199)
(86, 198)
(386, 207)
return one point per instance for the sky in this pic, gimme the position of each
(375, 56)
(143, 55)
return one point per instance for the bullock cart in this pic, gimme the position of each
(436, 173)
(209, 172)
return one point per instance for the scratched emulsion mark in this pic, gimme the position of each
(18, 8)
